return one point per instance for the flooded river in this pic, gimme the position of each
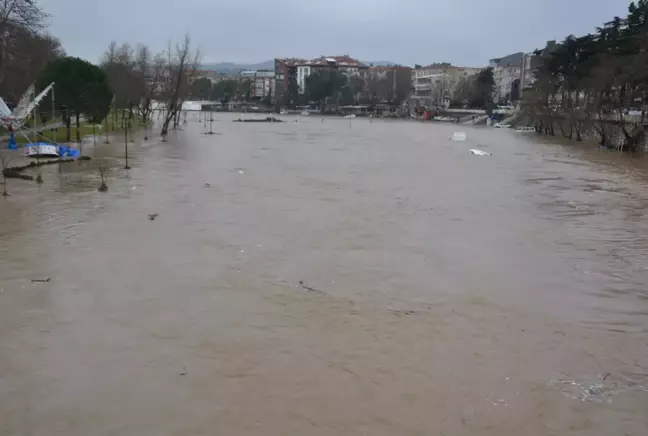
(328, 278)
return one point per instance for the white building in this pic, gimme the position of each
(440, 81)
(506, 72)
(263, 82)
(303, 71)
(344, 64)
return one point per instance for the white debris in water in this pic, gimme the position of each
(240, 171)
(477, 152)
(458, 136)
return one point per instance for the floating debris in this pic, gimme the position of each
(458, 136)
(255, 120)
(207, 185)
(184, 371)
(152, 216)
(45, 280)
(602, 388)
(402, 311)
(477, 152)
(308, 288)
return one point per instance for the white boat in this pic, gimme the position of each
(305, 113)
(283, 112)
(502, 126)
(42, 149)
(477, 152)
(350, 116)
(526, 129)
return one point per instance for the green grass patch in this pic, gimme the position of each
(59, 135)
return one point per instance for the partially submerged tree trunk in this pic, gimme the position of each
(68, 125)
(126, 167)
(180, 69)
(102, 187)
(78, 127)
(603, 129)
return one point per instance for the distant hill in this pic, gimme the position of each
(234, 68)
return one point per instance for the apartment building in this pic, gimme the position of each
(506, 72)
(263, 82)
(300, 69)
(440, 81)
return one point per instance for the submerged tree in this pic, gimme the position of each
(594, 81)
(174, 82)
(102, 187)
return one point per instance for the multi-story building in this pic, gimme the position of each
(300, 69)
(530, 62)
(440, 81)
(506, 72)
(263, 82)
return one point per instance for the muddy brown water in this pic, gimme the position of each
(442, 293)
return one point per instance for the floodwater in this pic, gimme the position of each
(328, 278)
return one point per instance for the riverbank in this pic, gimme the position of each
(15, 172)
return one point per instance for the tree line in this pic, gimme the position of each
(25, 47)
(139, 78)
(596, 83)
(126, 83)
(224, 90)
(391, 86)
(476, 91)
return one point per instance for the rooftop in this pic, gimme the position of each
(343, 61)
(390, 68)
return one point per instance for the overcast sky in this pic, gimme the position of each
(464, 32)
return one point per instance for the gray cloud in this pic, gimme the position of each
(464, 32)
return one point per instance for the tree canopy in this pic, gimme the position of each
(484, 89)
(324, 84)
(80, 87)
(593, 80)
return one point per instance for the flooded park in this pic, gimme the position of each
(327, 277)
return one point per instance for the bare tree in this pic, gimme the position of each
(180, 69)
(148, 71)
(27, 56)
(16, 14)
(120, 66)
